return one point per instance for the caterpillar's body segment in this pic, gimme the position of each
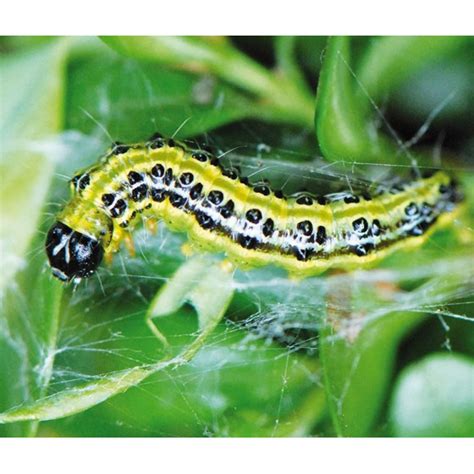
(253, 225)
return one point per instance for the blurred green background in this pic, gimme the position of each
(386, 352)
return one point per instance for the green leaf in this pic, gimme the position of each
(342, 127)
(364, 325)
(138, 99)
(435, 397)
(31, 113)
(357, 372)
(284, 100)
(77, 399)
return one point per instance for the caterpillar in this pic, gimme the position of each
(191, 191)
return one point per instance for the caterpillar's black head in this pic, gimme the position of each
(72, 254)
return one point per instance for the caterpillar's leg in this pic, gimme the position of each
(151, 225)
(119, 234)
(114, 245)
(187, 249)
(108, 257)
(117, 237)
(227, 265)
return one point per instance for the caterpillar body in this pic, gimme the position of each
(220, 211)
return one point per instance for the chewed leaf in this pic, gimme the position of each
(435, 397)
(203, 283)
(174, 294)
(212, 296)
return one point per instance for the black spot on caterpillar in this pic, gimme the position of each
(190, 191)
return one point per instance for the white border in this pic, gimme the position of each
(244, 17)
(240, 456)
